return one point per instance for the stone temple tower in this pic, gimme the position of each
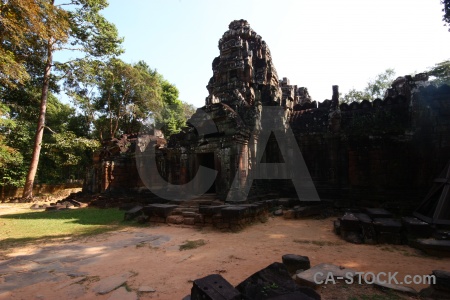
(243, 73)
(222, 135)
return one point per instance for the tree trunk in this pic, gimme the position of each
(28, 188)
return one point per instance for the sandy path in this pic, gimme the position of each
(234, 255)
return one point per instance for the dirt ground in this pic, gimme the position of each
(234, 255)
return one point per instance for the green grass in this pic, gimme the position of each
(44, 225)
(192, 244)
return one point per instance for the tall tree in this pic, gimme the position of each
(48, 29)
(114, 96)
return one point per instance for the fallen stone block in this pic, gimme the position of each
(415, 228)
(368, 230)
(175, 219)
(433, 247)
(133, 213)
(274, 281)
(159, 210)
(442, 280)
(295, 262)
(387, 225)
(377, 213)
(389, 238)
(189, 221)
(349, 222)
(397, 288)
(354, 237)
(234, 212)
(337, 227)
(441, 235)
(289, 214)
(110, 283)
(318, 274)
(431, 293)
(308, 211)
(55, 207)
(278, 213)
(210, 210)
(122, 294)
(214, 287)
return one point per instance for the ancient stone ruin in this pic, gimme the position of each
(384, 152)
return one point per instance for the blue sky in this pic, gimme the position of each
(315, 44)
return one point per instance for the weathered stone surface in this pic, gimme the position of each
(397, 288)
(337, 227)
(159, 210)
(415, 228)
(122, 294)
(278, 212)
(110, 283)
(209, 210)
(387, 225)
(70, 282)
(368, 230)
(274, 281)
(354, 237)
(234, 212)
(175, 219)
(431, 293)
(319, 273)
(289, 214)
(295, 262)
(308, 211)
(133, 213)
(214, 287)
(434, 247)
(189, 221)
(442, 280)
(377, 213)
(349, 222)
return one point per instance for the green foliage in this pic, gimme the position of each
(354, 96)
(374, 89)
(10, 158)
(115, 97)
(174, 114)
(188, 110)
(440, 73)
(446, 10)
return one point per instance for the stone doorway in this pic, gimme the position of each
(207, 160)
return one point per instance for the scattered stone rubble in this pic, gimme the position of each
(208, 211)
(378, 226)
(295, 279)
